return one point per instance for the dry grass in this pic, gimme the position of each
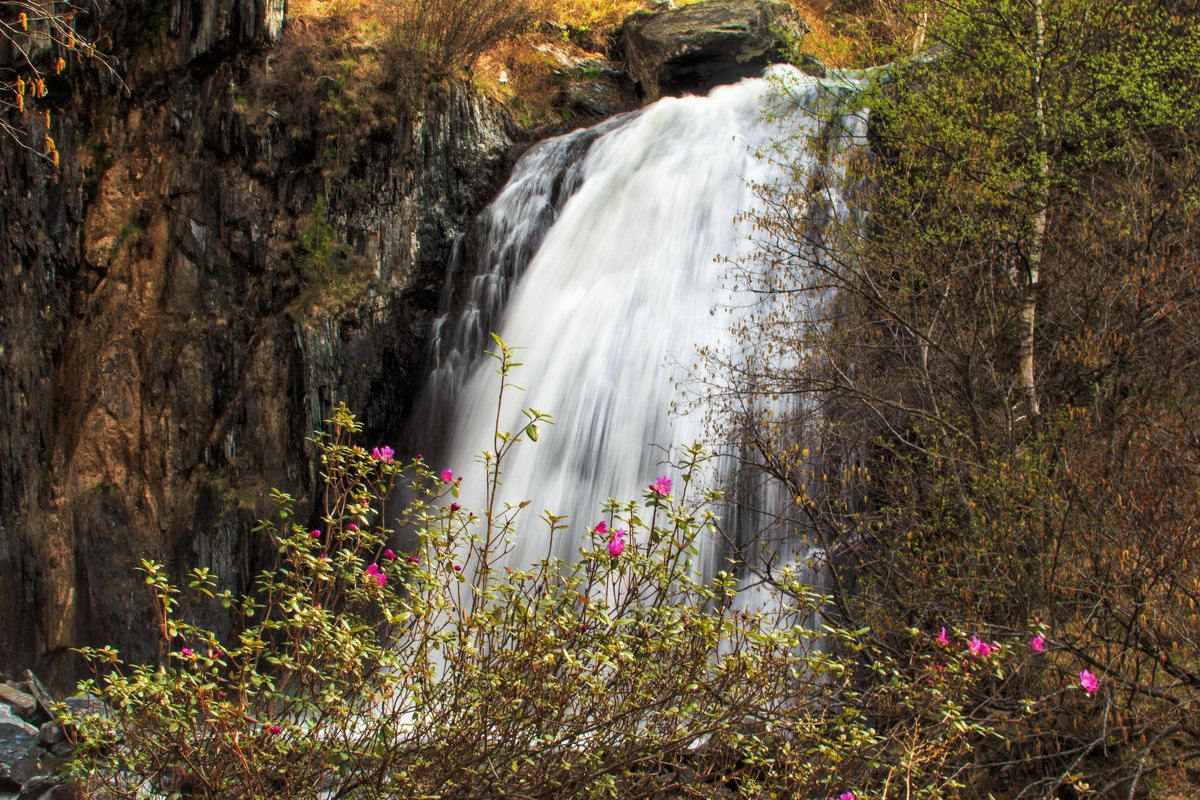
(823, 41)
(523, 78)
(877, 31)
(513, 70)
(836, 38)
(594, 14)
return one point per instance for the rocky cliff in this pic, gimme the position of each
(213, 266)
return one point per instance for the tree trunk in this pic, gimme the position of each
(1037, 249)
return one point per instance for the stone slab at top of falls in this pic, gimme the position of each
(694, 48)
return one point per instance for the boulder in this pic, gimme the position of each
(591, 84)
(43, 787)
(18, 750)
(82, 706)
(50, 735)
(44, 699)
(812, 66)
(599, 97)
(22, 704)
(706, 44)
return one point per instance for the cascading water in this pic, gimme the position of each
(605, 259)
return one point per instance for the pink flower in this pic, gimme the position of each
(847, 796)
(412, 559)
(1038, 643)
(616, 545)
(1088, 681)
(383, 454)
(457, 568)
(454, 507)
(378, 575)
(979, 648)
(602, 527)
(322, 557)
(662, 487)
(373, 569)
(447, 475)
(274, 729)
(351, 527)
(314, 534)
(942, 640)
(389, 555)
(186, 652)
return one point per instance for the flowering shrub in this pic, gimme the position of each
(358, 673)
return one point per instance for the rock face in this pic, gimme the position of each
(171, 327)
(591, 84)
(697, 47)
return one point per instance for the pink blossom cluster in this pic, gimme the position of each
(981, 649)
(616, 545)
(376, 574)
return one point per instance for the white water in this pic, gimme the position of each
(627, 284)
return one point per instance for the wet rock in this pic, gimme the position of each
(706, 44)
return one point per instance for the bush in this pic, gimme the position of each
(435, 39)
(360, 672)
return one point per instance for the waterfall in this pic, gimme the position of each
(605, 259)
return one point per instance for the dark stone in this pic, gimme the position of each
(812, 66)
(18, 750)
(37, 788)
(45, 700)
(592, 86)
(697, 47)
(597, 98)
(82, 706)
(63, 749)
(50, 734)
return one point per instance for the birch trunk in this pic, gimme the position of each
(1028, 312)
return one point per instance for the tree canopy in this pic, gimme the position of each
(998, 375)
